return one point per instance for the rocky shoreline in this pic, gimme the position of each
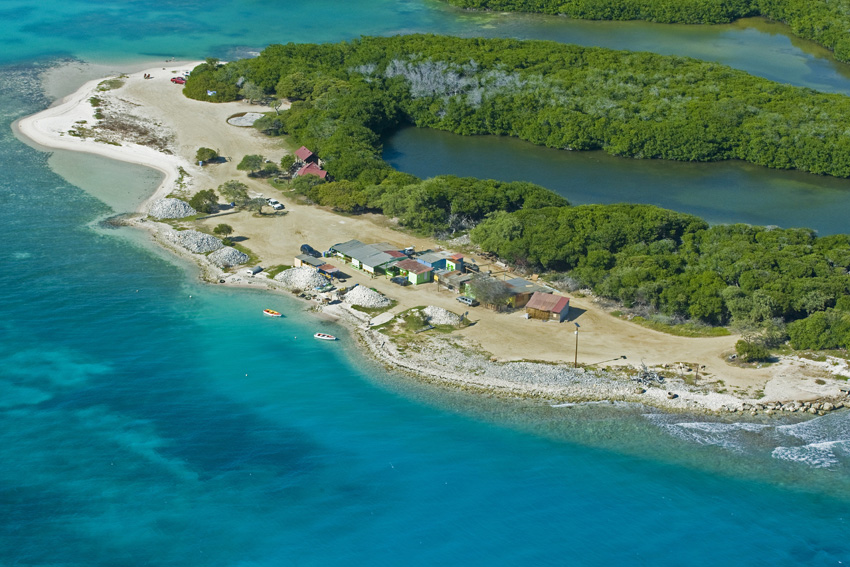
(475, 371)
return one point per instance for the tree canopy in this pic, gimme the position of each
(632, 104)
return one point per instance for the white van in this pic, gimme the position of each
(467, 300)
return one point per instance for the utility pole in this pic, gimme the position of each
(575, 362)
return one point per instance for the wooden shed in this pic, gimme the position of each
(547, 306)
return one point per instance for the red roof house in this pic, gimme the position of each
(547, 306)
(312, 169)
(305, 155)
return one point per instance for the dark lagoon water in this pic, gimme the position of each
(147, 419)
(719, 192)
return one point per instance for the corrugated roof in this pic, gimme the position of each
(547, 302)
(521, 285)
(346, 247)
(307, 259)
(303, 153)
(413, 266)
(312, 169)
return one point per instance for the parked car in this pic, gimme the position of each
(277, 206)
(310, 251)
(400, 280)
(467, 300)
(178, 80)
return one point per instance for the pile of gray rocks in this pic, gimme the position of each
(171, 209)
(302, 278)
(439, 316)
(227, 257)
(195, 241)
(365, 297)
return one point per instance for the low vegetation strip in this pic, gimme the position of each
(823, 21)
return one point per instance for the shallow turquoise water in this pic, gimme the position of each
(146, 419)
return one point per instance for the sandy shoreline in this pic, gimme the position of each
(187, 124)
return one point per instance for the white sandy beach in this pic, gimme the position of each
(606, 341)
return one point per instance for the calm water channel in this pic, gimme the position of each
(721, 192)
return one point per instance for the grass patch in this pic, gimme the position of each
(111, 84)
(375, 310)
(253, 259)
(684, 330)
(275, 270)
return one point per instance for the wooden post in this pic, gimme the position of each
(575, 361)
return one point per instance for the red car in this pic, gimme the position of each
(178, 80)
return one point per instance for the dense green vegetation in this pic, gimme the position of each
(440, 206)
(823, 21)
(629, 104)
(675, 263)
(348, 95)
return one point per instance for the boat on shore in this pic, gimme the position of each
(271, 313)
(324, 337)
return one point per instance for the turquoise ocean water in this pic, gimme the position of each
(147, 419)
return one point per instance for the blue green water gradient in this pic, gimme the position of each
(149, 419)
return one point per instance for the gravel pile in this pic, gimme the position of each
(227, 257)
(171, 209)
(440, 316)
(195, 241)
(365, 297)
(302, 278)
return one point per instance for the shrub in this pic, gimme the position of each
(751, 351)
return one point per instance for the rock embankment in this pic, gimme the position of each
(227, 257)
(171, 209)
(365, 297)
(301, 278)
(195, 241)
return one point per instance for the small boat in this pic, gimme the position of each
(325, 337)
(271, 313)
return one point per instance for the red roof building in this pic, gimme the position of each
(312, 169)
(304, 154)
(547, 306)
(415, 272)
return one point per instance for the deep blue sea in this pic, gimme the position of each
(149, 419)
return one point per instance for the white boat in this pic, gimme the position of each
(324, 337)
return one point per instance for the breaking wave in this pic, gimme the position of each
(822, 442)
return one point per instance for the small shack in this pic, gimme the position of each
(304, 155)
(414, 271)
(253, 271)
(312, 169)
(307, 260)
(547, 306)
(328, 270)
